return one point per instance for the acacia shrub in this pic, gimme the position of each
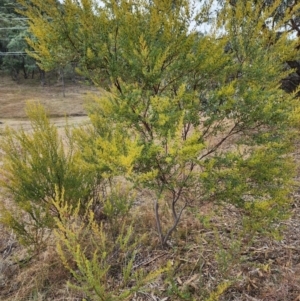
(202, 124)
(40, 165)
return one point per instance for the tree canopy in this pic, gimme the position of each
(286, 13)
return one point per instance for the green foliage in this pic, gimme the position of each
(182, 117)
(173, 290)
(59, 57)
(118, 202)
(102, 264)
(217, 293)
(39, 165)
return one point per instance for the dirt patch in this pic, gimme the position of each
(13, 97)
(60, 122)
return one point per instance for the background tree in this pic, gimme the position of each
(12, 38)
(7, 14)
(290, 25)
(16, 59)
(59, 58)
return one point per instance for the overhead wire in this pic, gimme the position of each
(15, 53)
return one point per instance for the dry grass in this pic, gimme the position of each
(15, 95)
(41, 278)
(13, 98)
(264, 270)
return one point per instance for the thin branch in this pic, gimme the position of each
(175, 198)
(158, 225)
(231, 132)
(295, 26)
(144, 263)
(174, 225)
(67, 32)
(118, 86)
(205, 132)
(186, 130)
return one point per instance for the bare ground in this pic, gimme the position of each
(14, 96)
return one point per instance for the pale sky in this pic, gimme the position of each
(205, 28)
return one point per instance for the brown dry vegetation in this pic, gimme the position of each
(207, 252)
(13, 98)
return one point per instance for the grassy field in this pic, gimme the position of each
(204, 256)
